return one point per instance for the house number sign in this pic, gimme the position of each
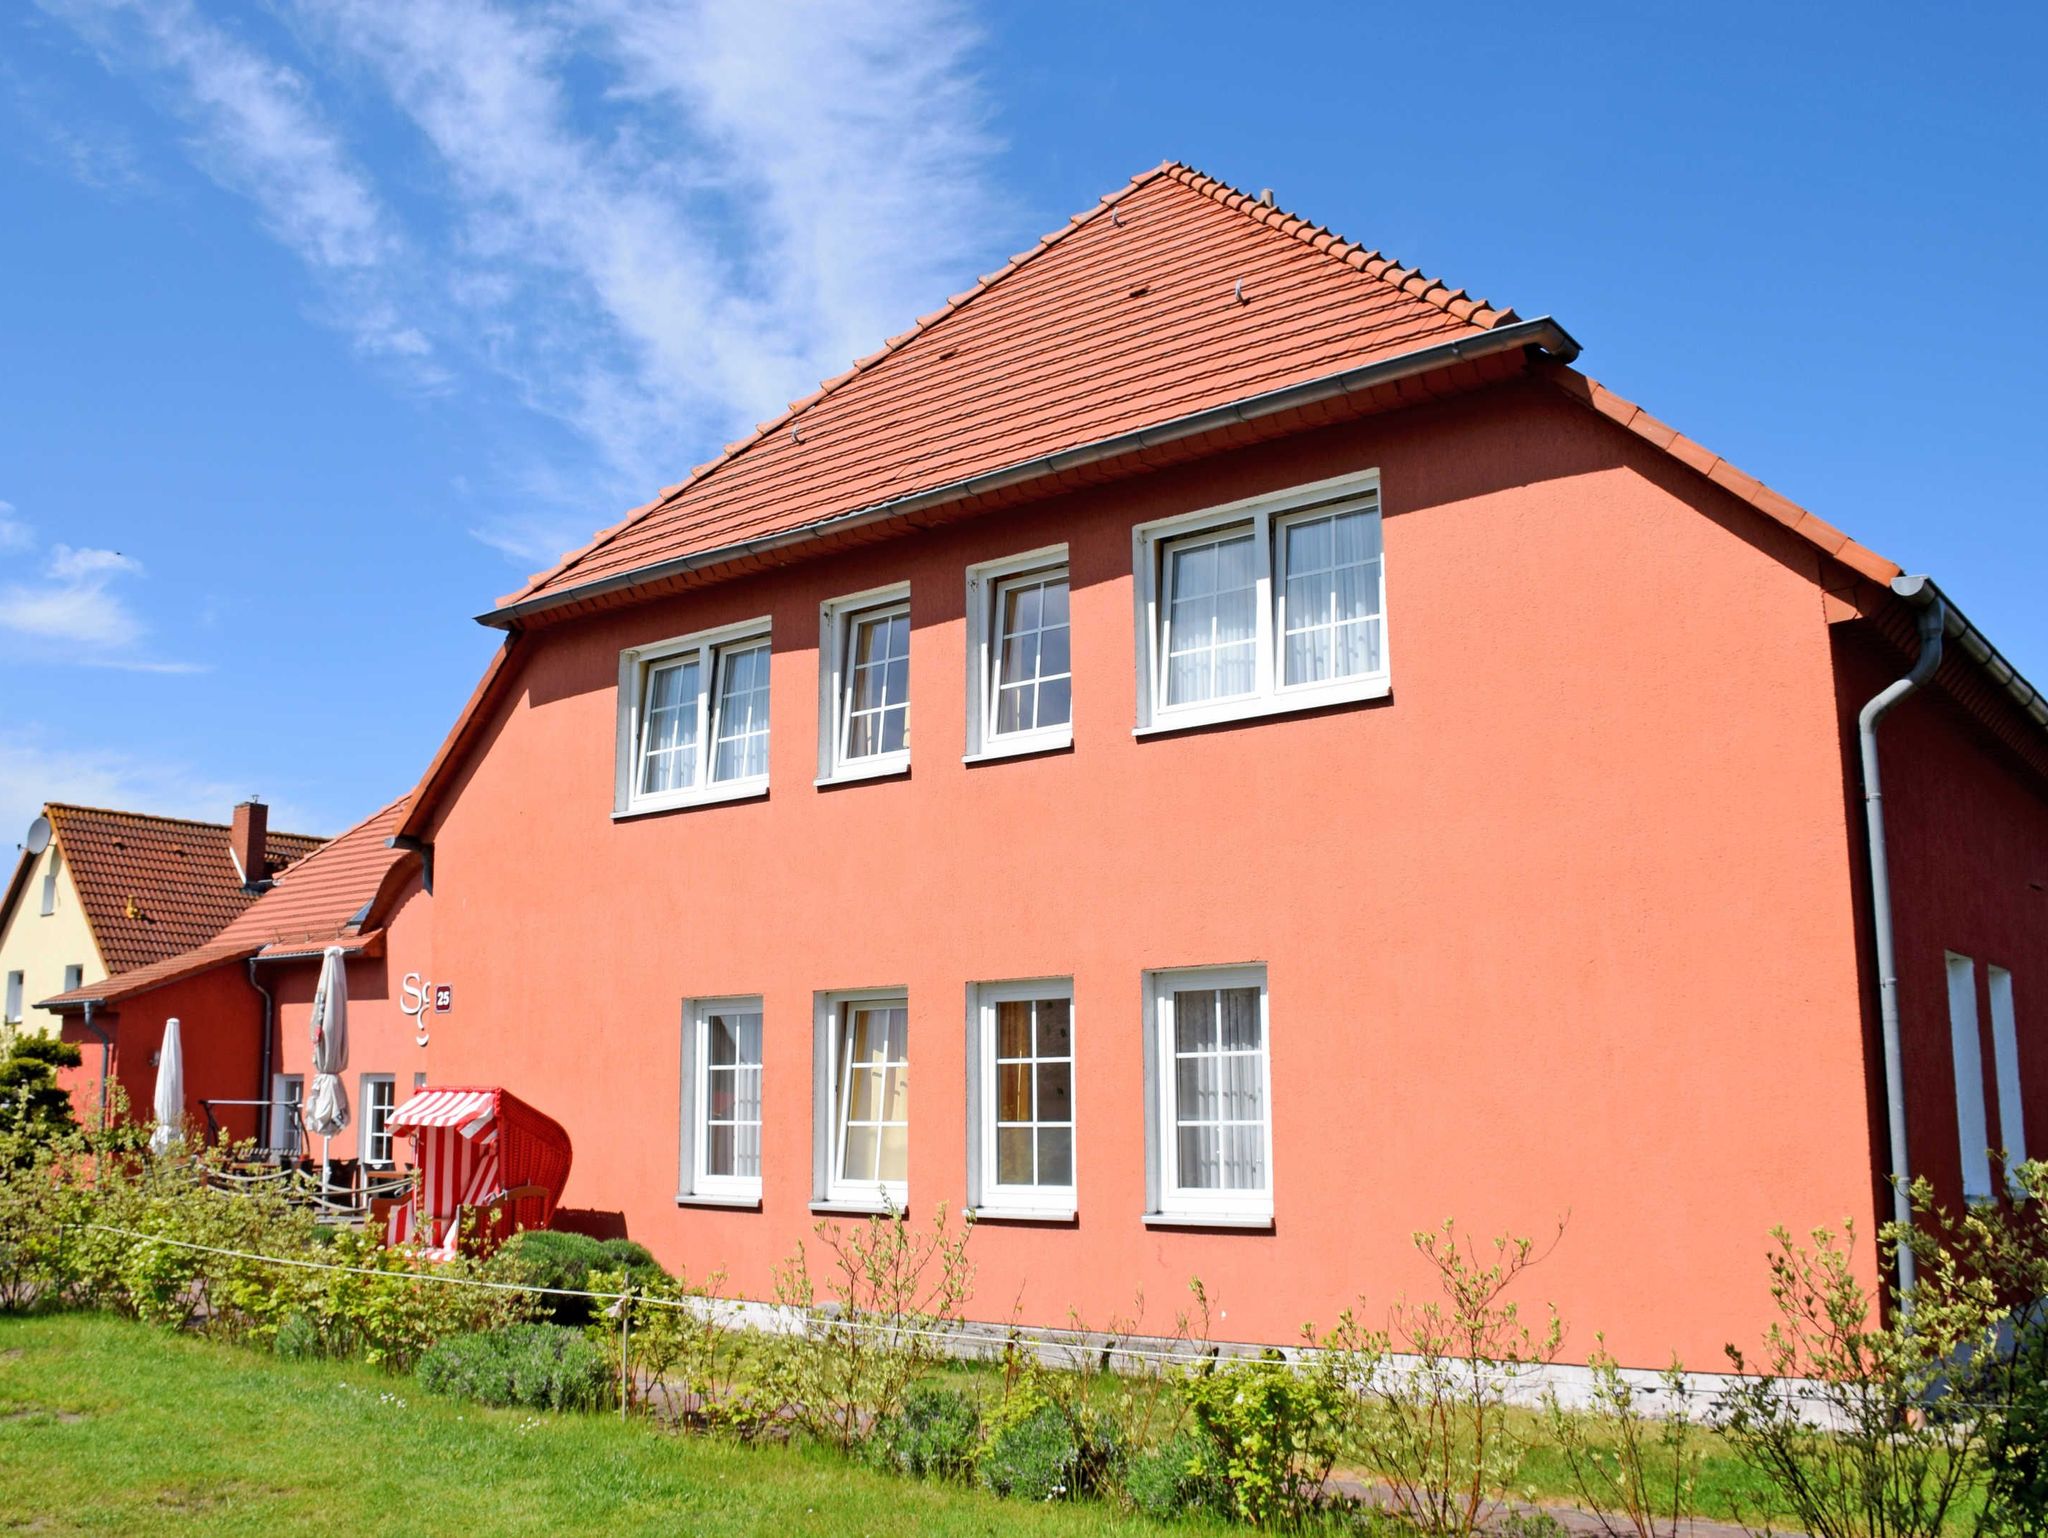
(418, 998)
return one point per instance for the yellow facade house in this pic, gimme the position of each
(97, 891)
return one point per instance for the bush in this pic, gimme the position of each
(1035, 1457)
(541, 1257)
(933, 1435)
(1175, 1478)
(1270, 1432)
(1637, 1468)
(541, 1366)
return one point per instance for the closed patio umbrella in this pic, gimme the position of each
(326, 1109)
(169, 1103)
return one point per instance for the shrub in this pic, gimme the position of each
(541, 1366)
(541, 1257)
(1434, 1422)
(1636, 1471)
(1032, 1455)
(1175, 1478)
(893, 1293)
(933, 1434)
(35, 1110)
(1270, 1433)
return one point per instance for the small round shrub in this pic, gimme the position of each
(540, 1257)
(933, 1435)
(1175, 1478)
(542, 1366)
(1036, 1458)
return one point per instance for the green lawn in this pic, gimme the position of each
(110, 1427)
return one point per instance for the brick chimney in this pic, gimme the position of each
(248, 837)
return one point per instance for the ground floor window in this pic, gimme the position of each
(1208, 1095)
(287, 1097)
(864, 1048)
(721, 1153)
(1021, 1115)
(380, 1099)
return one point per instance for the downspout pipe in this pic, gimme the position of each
(269, 1024)
(1933, 625)
(106, 1060)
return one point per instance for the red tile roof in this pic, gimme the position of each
(153, 887)
(317, 902)
(1173, 295)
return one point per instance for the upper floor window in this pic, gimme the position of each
(722, 1100)
(1276, 603)
(74, 976)
(2005, 1059)
(50, 874)
(693, 719)
(864, 705)
(12, 1014)
(1020, 678)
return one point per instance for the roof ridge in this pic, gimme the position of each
(188, 822)
(796, 408)
(1373, 263)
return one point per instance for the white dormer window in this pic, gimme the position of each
(1272, 604)
(693, 720)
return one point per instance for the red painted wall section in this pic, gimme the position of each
(1563, 928)
(383, 1038)
(1967, 835)
(220, 1028)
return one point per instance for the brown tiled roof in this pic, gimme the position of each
(317, 902)
(153, 887)
(1171, 296)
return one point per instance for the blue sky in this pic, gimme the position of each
(323, 322)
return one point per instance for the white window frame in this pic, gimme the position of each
(1267, 516)
(695, 1185)
(373, 1133)
(50, 874)
(74, 976)
(2005, 1054)
(835, 630)
(986, 584)
(283, 1126)
(829, 1192)
(985, 1193)
(1168, 1203)
(636, 665)
(1966, 1054)
(17, 983)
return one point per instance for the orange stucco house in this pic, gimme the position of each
(1279, 758)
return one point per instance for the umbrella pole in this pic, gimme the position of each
(326, 1167)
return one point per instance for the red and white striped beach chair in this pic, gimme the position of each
(489, 1164)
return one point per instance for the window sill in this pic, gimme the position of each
(1291, 703)
(854, 774)
(1022, 747)
(856, 1209)
(733, 1200)
(995, 1214)
(1255, 1220)
(718, 795)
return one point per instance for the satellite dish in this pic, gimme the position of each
(38, 836)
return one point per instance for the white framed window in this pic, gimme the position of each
(12, 1014)
(1020, 676)
(721, 1152)
(862, 1095)
(1020, 1121)
(693, 720)
(380, 1099)
(1208, 1102)
(1967, 1054)
(2005, 1059)
(74, 976)
(50, 874)
(287, 1097)
(1270, 604)
(864, 685)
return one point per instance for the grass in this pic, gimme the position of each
(112, 1427)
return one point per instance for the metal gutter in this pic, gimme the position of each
(1924, 592)
(1542, 332)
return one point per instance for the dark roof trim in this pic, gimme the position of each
(1542, 332)
(1921, 591)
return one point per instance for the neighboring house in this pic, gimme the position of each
(244, 999)
(98, 891)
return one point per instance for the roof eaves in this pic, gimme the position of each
(1542, 333)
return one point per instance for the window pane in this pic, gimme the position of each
(718, 1094)
(748, 1163)
(1212, 619)
(1013, 1028)
(1332, 597)
(893, 1158)
(724, 1045)
(1055, 1100)
(1055, 1156)
(878, 686)
(668, 728)
(1240, 1019)
(721, 1156)
(1013, 1092)
(1013, 1156)
(858, 1161)
(1243, 1158)
(1055, 702)
(1055, 1028)
(1194, 1020)
(1195, 1087)
(1200, 1158)
(741, 732)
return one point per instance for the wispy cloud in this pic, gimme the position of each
(70, 610)
(255, 128)
(658, 221)
(34, 769)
